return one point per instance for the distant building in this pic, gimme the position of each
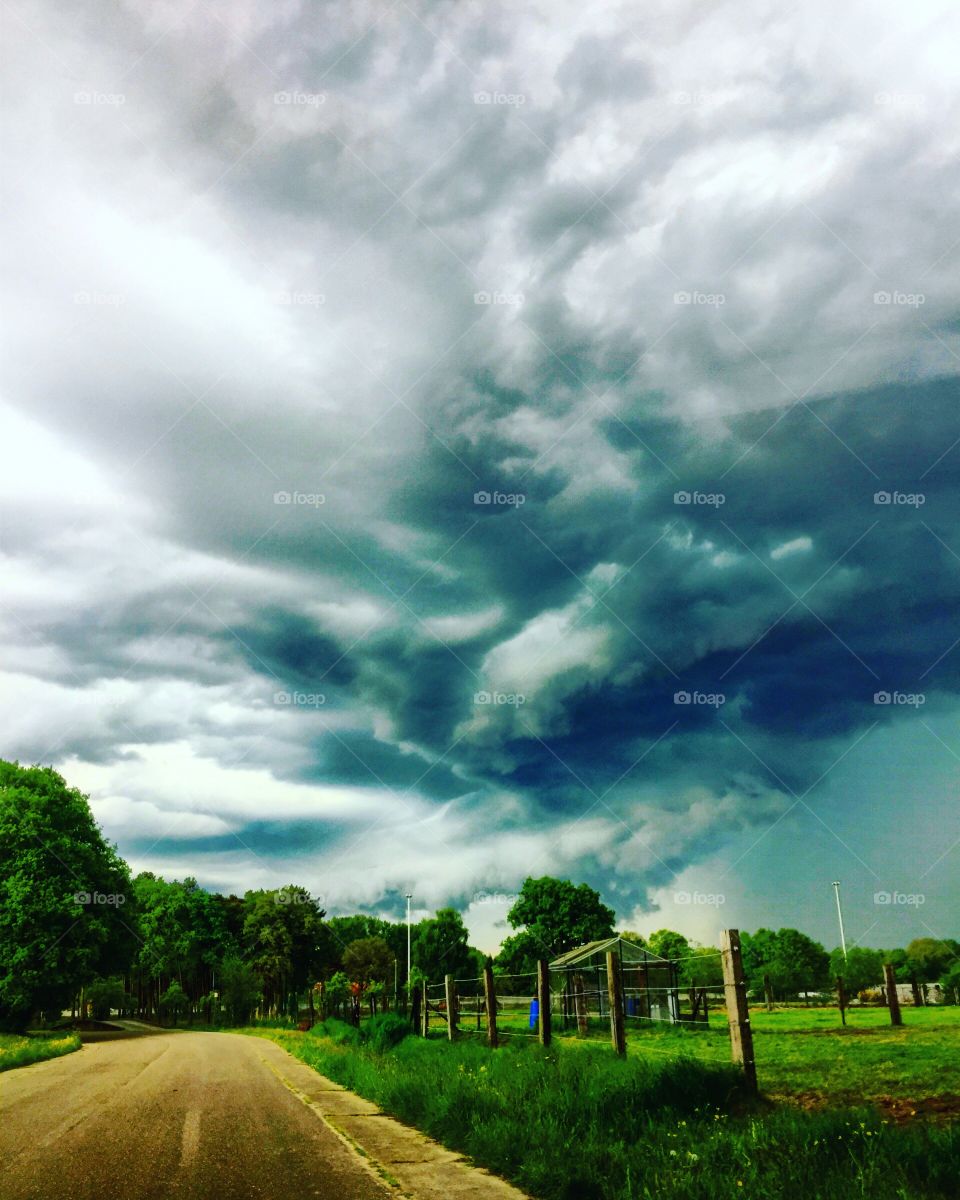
(649, 982)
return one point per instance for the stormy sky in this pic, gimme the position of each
(447, 442)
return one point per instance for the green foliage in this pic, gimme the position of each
(669, 944)
(861, 969)
(794, 962)
(441, 947)
(239, 989)
(52, 851)
(368, 960)
(383, 1032)
(282, 931)
(557, 916)
(103, 995)
(174, 1001)
(928, 958)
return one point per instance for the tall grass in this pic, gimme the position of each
(575, 1123)
(18, 1051)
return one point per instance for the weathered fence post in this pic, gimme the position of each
(768, 992)
(893, 1000)
(615, 996)
(425, 1028)
(415, 1017)
(738, 1012)
(841, 1000)
(543, 1001)
(580, 1002)
(450, 991)
(490, 999)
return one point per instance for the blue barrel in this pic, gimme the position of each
(534, 1013)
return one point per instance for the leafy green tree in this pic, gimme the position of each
(560, 915)
(701, 967)
(861, 969)
(928, 958)
(668, 944)
(519, 953)
(794, 962)
(368, 960)
(65, 910)
(103, 995)
(174, 1001)
(239, 989)
(283, 932)
(950, 981)
(441, 946)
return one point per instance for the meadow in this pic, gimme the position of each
(21, 1051)
(671, 1121)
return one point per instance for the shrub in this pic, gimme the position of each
(383, 1032)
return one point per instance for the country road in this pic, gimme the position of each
(188, 1115)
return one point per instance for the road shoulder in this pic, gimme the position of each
(415, 1165)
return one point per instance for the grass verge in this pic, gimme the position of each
(575, 1123)
(16, 1051)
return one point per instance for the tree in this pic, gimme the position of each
(239, 989)
(283, 931)
(928, 958)
(174, 1000)
(794, 962)
(368, 960)
(441, 947)
(668, 944)
(103, 995)
(560, 915)
(64, 896)
(862, 968)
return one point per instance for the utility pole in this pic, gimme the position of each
(843, 940)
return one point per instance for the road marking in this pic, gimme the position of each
(190, 1141)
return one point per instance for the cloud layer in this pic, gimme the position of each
(453, 442)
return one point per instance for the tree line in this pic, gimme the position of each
(78, 932)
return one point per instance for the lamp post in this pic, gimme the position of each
(409, 898)
(843, 940)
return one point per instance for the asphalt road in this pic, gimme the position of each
(179, 1115)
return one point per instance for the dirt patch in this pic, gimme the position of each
(895, 1108)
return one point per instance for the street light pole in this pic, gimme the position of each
(843, 940)
(409, 898)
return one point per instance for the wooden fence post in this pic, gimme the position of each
(415, 1012)
(580, 1002)
(543, 1001)
(615, 996)
(450, 991)
(768, 993)
(738, 1012)
(425, 1028)
(841, 1000)
(893, 1000)
(490, 998)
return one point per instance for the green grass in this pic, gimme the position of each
(576, 1123)
(18, 1051)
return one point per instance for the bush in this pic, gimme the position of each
(339, 1032)
(383, 1032)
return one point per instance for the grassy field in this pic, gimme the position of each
(575, 1122)
(18, 1051)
